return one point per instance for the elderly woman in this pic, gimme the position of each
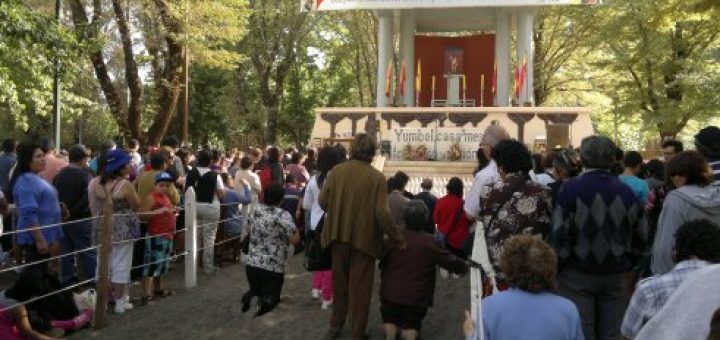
(408, 276)
(516, 205)
(37, 204)
(114, 185)
(272, 232)
(693, 199)
(528, 310)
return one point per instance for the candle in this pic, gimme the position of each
(433, 83)
(482, 90)
(464, 83)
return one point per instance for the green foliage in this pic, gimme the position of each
(649, 69)
(29, 45)
(211, 29)
(259, 68)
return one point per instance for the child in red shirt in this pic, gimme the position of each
(159, 213)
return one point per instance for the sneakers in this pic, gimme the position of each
(326, 304)
(315, 293)
(122, 305)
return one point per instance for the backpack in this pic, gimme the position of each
(265, 177)
(204, 185)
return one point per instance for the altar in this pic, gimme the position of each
(449, 78)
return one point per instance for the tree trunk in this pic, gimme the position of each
(169, 85)
(135, 86)
(116, 102)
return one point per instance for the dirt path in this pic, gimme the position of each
(212, 311)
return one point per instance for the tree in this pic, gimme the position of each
(276, 28)
(665, 54)
(167, 28)
(30, 42)
(562, 36)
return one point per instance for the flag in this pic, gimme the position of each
(516, 89)
(403, 79)
(388, 81)
(523, 74)
(494, 80)
(418, 83)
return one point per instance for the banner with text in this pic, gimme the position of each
(332, 5)
(438, 143)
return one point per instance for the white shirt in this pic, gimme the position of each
(543, 179)
(135, 158)
(254, 181)
(310, 202)
(483, 178)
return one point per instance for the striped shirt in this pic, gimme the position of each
(715, 167)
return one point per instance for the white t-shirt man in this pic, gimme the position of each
(484, 178)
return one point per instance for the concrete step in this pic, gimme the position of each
(439, 172)
(461, 165)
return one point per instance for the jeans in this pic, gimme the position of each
(207, 220)
(78, 236)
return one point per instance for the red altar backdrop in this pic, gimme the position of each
(477, 58)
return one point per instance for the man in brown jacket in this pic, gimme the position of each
(354, 197)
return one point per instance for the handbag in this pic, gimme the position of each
(245, 244)
(317, 258)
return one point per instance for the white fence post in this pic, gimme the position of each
(190, 239)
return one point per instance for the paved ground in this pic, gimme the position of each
(212, 311)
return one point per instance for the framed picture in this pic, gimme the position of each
(453, 60)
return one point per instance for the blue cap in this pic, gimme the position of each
(163, 177)
(116, 159)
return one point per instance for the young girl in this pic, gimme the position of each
(328, 157)
(15, 321)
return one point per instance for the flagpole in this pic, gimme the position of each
(464, 90)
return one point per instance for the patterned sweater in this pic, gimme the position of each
(599, 225)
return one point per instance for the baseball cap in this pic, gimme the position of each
(163, 177)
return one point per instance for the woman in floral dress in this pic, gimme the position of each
(516, 205)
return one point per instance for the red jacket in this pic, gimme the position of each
(451, 220)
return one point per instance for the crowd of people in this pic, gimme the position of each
(587, 243)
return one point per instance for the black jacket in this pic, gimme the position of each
(72, 186)
(429, 201)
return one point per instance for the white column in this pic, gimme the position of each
(502, 58)
(525, 49)
(407, 53)
(385, 53)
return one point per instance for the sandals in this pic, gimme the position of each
(164, 293)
